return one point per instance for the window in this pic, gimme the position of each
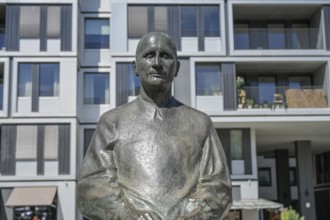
(242, 36)
(276, 36)
(137, 21)
(267, 89)
(96, 88)
(97, 33)
(293, 176)
(301, 36)
(49, 80)
(208, 79)
(211, 21)
(51, 142)
(88, 135)
(300, 82)
(160, 16)
(188, 21)
(30, 25)
(53, 21)
(264, 176)
(26, 142)
(133, 82)
(43, 76)
(24, 79)
(236, 144)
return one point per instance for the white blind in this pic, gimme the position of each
(53, 21)
(30, 21)
(26, 142)
(161, 19)
(137, 21)
(51, 142)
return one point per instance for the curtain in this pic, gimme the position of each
(66, 27)
(8, 150)
(64, 149)
(12, 27)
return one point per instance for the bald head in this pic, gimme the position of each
(160, 36)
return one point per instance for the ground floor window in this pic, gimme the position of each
(35, 213)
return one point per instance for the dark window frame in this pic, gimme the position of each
(268, 183)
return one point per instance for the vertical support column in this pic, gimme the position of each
(283, 177)
(305, 180)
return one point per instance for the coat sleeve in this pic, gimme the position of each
(98, 195)
(213, 196)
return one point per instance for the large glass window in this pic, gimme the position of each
(276, 36)
(242, 36)
(24, 79)
(301, 36)
(96, 88)
(49, 80)
(97, 33)
(211, 21)
(30, 21)
(299, 82)
(189, 21)
(137, 21)
(48, 74)
(236, 144)
(267, 89)
(208, 79)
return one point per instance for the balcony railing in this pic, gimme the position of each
(281, 97)
(276, 38)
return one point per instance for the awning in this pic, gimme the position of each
(32, 196)
(255, 204)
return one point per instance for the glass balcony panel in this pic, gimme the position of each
(275, 38)
(282, 97)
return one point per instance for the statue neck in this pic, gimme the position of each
(159, 98)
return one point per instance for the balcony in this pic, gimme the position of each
(276, 38)
(276, 97)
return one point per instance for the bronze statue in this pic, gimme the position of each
(155, 158)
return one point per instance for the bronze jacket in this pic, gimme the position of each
(160, 163)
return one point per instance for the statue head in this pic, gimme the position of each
(156, 61)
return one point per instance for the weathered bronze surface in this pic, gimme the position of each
(155, 158)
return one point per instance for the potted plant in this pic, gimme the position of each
(249, 103)
(241, 94)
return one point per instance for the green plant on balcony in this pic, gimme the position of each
(290, 214)
(249, 103)
(241, 94)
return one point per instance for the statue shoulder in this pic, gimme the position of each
(116, 114)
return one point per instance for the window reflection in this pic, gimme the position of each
(96, 33)
(208, 79)
(96, 88)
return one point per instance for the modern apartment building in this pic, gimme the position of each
(258, 68)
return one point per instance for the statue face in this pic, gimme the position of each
(156, 62)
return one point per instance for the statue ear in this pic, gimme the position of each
(177, 67)
(134, 67)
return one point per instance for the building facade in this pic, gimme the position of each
(259, 69)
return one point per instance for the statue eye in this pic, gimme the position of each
(149, 55)
(165, 56)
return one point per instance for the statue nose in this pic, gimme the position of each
(157, 62)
